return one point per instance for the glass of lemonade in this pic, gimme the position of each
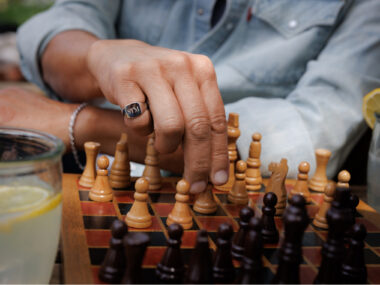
(30, 204)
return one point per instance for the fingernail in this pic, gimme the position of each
(198, 187)
(220, 177)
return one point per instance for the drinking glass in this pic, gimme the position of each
(373, 168)
(30, 204)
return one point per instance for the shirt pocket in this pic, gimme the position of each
(292, 17)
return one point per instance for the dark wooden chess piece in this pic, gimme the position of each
(252, 266)
(296, 221)
(237, 250)
(170, 270)
(224, 270)
(200, 266)
(135, 244)
(112, 268)
(339, 219)
(354, 270)
(269, 231)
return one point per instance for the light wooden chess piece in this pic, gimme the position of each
(233, 134)
(205, 202)
(253, 177)
(152, 171)
(320, 220)
(343, 179)
(301, 187)
(120, 176)
(101, 191)
(276, 184)
(238, 193)
(180, 213)
(138, 216)
(88, 176)
(319, 181)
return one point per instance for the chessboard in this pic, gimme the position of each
(86, 231)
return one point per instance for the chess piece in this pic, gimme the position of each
(200, 266)
(181, 211)
(354, 202)
(101, 191)
(170, 270)
(343, 179)
(354, 270)
(152, 171)
(138, 216)
(269, 231)
(253, 175)
(252, 264)
(233, 134)
(339, 218)
(245, 214)
(319, 181)
(320, 220)
(135, 244)
(205, 202)
(295, 221)
(120, 171)
(112, 268)
(301, 187)
(223, 268)
(276, 184)
(238, 193)
(87, 178)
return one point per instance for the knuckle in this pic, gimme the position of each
(199, 128)
(205, 67)
(181, 60)
(219, 124)
(123, 71)
(170, 127)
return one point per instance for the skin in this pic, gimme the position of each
(185, 106)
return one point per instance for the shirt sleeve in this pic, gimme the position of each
(97, 17)
(324, 110)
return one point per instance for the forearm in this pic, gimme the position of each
(64, 66)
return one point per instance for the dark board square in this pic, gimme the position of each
(373, 239)
(149, 276)
(194, 227)
(83, 195)
(311, 239)
(156, 238)
(219, 212)
(98, 222)
(125, 207)
(272, 254)
(370, 257)
(187, 253)
(222, 198)
(97, 255)
(162, 197)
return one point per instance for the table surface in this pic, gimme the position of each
(72, 232)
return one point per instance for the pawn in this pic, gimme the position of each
(170, 270)
(252, 265)
(152, 171)
(138, 216)
(181, 211)
(301, 187)
(205, 202)
(101, 191)
(135, 244)
(319, 181)
(237, 250)
(354, 270)
(343, 179)
(200, 266)
(238, 193)
(269, 231)
(120, 171)
(320, 220)
(112, 268)
(87, 178)
(224, 270)
(253, 177)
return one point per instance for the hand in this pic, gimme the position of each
(184, 100)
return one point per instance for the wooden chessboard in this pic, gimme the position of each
(86, 231)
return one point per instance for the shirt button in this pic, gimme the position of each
(200, 11)
(292, 24)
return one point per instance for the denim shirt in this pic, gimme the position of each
(295, 70)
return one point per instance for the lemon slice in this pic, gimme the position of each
(371, 105)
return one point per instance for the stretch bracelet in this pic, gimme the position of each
(71, 133)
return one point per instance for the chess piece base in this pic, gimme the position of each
(316, 185)
(254, 187)
(240, 200)
(319, 223)
(86, 182)
(185, 223)
(205, 209)
(138, 222)
(100, 197)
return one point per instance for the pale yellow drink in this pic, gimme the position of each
(29, 233)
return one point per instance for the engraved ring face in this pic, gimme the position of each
(134, 110)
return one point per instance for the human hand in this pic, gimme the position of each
(185, 106)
